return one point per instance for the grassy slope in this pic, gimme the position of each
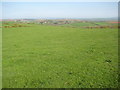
(83, 24)
(0, 55)
(52, 56)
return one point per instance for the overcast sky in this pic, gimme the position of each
(14, 10)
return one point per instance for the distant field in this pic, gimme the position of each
(44, 56)
(91, 24)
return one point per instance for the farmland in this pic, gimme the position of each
(71, 55)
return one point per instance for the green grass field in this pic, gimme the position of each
(92, 24)
(0, 55)
(44, 56)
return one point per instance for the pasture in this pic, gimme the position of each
(48, 56)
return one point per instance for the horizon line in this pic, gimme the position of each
(64, 18)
